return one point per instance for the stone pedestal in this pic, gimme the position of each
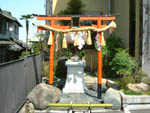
(75, 77)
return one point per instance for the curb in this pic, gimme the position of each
(134, 102)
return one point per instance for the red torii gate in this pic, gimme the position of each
(99, 25)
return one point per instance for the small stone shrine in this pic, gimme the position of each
(75, 77)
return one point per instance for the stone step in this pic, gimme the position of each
(138, 107)
(135, 99)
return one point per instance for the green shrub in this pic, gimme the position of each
(147, 93)
(24, 53)
(122, 63)
(105, 51)
(41, 45)
(146, 80)
(124, 81)
(113, 42)
(139, 75)
(133, 78)
(45, 69)
(68, 53)
(131, 92)
(82, 54)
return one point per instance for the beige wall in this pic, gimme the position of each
(92, 6)
(96, 6)
(122, 7)
(101, 6)
(137, 31)
(59, 5)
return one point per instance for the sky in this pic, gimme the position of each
(24, 7)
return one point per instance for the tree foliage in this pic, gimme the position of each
(74, 7)
(26, 18)
(40, 46)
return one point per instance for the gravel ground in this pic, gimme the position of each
(80, 98)
(90, 96)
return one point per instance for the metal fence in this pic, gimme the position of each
(17, 79)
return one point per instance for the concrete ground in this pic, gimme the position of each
(96, 111)
(138, 111)
(141, 111)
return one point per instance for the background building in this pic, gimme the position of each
(10, 46)
(132, 23)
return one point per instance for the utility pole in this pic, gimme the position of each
(109, 7)
(48, 12)
(48, 7)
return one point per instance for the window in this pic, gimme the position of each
(1, 24)
(2, 27)
(7, 26)
(10, 25)
(16, 29)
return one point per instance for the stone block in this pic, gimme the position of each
(112, 96)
